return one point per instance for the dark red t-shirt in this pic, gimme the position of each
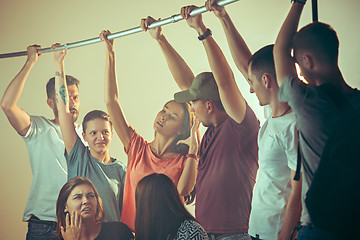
(226, 175)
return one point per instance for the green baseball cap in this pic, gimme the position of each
(203, 87)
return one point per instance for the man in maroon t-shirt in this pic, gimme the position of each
(228, 154)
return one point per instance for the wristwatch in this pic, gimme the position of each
(298, 1)
(205, 35)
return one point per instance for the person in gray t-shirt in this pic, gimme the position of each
(94, 161)
(315, 49)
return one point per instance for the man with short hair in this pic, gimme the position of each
(276, 203)
(228, 153)
(315, 49)
(45, 147)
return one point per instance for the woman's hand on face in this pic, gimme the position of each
(192, 141)
(72, 229)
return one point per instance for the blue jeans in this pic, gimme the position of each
(235, 236)
(40, 231)
(310, 232)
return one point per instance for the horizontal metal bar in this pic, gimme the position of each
(172, 19)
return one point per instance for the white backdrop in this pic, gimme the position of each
(145, 82)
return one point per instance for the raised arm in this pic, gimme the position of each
(122, 128)
(62, 101)
(284, 62)
(18, 118)
(188, 177)
(293, 209)
(180, 71)
(231, 97)
(238, 48)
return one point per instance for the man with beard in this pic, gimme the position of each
(45, 147)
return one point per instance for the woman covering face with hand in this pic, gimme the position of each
(80, 212)
(172, 152)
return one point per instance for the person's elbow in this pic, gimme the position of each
(185, 190)
(6, 106)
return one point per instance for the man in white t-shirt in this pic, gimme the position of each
(45, 147)
(276, 202)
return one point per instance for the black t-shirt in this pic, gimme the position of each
(114, 231)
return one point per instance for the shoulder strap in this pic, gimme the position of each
(298, 164)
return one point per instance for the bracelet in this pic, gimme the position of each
(298, 1)
(205, 35)
(191, 156)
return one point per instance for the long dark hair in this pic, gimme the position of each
(183, 149)
(63, 197)
(187, 123)
(159, 210)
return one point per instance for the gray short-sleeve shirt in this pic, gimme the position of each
(108, 178)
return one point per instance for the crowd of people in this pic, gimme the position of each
(251, 182)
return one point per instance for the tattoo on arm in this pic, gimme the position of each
(59, 74)
(63, 94)
(62, 91)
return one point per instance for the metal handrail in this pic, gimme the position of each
(172, 19)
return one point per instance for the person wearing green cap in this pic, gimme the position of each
(276, 202)
(228, 160)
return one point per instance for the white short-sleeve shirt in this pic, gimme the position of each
(277, 142)
(46, 154)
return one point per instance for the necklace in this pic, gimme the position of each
(285, 111)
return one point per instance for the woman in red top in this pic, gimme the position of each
(172, 152)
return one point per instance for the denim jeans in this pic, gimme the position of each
(235, 236)
(310, 232)
(40, 231)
